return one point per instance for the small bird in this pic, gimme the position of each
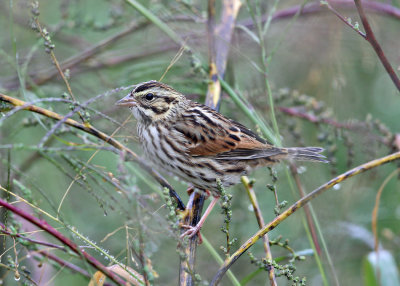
(198, 144)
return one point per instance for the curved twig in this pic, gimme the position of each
(297, 205)
(315, 8)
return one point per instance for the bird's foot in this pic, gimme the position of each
(192, 231)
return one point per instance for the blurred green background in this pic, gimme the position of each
(317, 65)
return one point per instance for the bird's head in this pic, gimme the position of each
(152, 101)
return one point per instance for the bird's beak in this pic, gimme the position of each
(128, 100)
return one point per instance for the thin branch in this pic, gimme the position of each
(296, 206)
(261, 223)
(293, 111)
(142, 258)
(116, 58)
(187, 265)
(356, 126)
(62, 262)
(77, 60)
(309, 9)
(315, 7)
(42, 77)
(47, 40)
(55, 233)
(4, 230)
(23, 273)
(374, 220)
(313, 223)
(93, 131)
(370, 37)
(345, 20)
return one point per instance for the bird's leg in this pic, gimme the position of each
(184, 214)
(190, 190)
(193, 230)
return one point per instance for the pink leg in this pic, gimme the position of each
(193, 230)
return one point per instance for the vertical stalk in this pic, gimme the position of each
(187, 264)
(261, 223)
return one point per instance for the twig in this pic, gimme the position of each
(315, 8)
(370, 37)
(26, 275)
(312, 224)
(309, 9)
(141, 254)
(46, 38)
(260, 220)
(93, 50)
(374, 220)
(345, 20)
(93, 131)
(62, 262)
(73, 63)
(6, 231)
(356, 126)
(187, 265)
(297, 205)
(293, 170)
(55, 233)
(293, 111)
(81, 57)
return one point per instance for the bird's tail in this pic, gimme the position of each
(307, 154)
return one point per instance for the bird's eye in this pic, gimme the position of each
(149, 96)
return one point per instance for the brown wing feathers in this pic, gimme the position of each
(209, 133)
(225, 139)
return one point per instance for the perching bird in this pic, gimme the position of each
(198, 144)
